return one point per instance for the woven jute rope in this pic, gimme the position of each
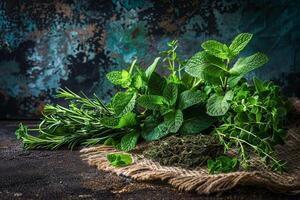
(199, 180)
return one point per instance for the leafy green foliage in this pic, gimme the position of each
(218, 105)
(208, 93)
(129, 141)
(119, 159)
(223, 164)
(256, 121)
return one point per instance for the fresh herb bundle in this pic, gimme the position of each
(206, 94)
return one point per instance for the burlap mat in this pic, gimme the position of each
(199, 180)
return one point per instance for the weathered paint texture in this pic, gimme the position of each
(73, 43)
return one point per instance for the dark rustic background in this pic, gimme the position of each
(73, 43)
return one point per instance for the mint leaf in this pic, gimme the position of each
(119, 159)
(189, 98)
(156, 84)
(195, 125)
(152, 68)
(223, 164)
(119, 78)
(170, 93)
(206, 67)
(129, 141)
(247, 64)
(152, 102)
(174, 120)
(127, 120)
(218, 105)
(259, 85)
(138, 81)
(158, 132)
(239, 43)
(216, 48)
(123, 102)
(234, 79)
(109, 122)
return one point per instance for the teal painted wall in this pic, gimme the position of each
(73, 43)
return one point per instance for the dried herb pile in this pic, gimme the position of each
(187, 151)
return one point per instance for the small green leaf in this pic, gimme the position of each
(123, 102)
(138, 81)
(119, 159)
(223, 164)
(21, 131)
(218, 105)
(247, 64)
(152, 102)
(216, 48)
(259, 85)
(152, 68)
(129, 141)
(119, 78)
(170, 93)
(189, 98)
(239, 43)
(110, 142)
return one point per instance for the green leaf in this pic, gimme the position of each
(127, 120)
(216, 48)
(119, 159)
(119, 78)
(156, 84)
(138, 81)
(129, 141)
(195, 125)
(189, 98)
(218, 105)
(110, 142)
(123, 102)
(206, 67)
(22, 131)
(158, 132)
(170, 93)
(239, 43)
(259, 85)
(247, 64)
(152, 102)
(234, 80)
(223, 164)
(152, 68)
(175, 120)
(109, 122)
